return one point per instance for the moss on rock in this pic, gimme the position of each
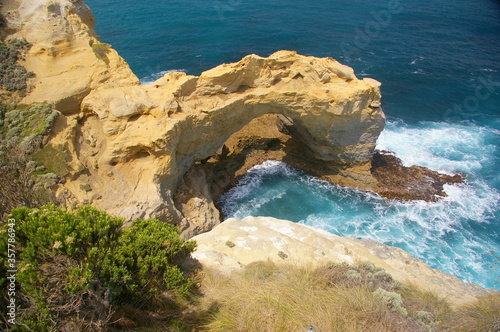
(101, 51)
(54, 158)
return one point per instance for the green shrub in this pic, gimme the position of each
(76, 266)
(13, 76)
(365, 274)
(34, 120)
(101, 51)
(145, 262)
(391, 299)
(21, 134)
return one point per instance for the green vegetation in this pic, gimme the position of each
(101, 51)
(78, 268)
(54, 158)
(82, 271)
(22, 128)
(13, 76)
(26, 121)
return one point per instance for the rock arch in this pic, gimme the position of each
(336, 115)
(128, 146)
(155, 133)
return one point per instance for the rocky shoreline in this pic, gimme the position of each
(267, 138)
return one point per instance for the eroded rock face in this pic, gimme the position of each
(236, 243)
(148, 137)
(269, 138)
(66, 55)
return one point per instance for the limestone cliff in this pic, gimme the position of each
(236, 243)
(66, 55)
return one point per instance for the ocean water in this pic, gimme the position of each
(439, 63)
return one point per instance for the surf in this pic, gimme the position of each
(457, 234)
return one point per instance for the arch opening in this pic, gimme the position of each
(268, 137)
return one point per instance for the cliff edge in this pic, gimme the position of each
(235, 244)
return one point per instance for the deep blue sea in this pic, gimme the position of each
(439, 63)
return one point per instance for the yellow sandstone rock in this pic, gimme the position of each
(152, 135)
(66, 56)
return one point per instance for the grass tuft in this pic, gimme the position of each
(271, 297)
(101, 51)
(481, 316)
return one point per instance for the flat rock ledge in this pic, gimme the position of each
(236, 243)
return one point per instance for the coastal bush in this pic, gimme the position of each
(22, 128)
(365, 273)
(16, 184)
(13, 76)
(30, 120)
(76, 268)
(391, 299)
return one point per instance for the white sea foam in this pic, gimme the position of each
(414, 62)
(455, 234)
(153, 77)
(440, 146)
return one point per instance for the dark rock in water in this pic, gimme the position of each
(408, 183)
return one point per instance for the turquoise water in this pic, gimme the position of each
(439, 65)
(455, 234)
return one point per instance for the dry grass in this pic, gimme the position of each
(280, 298)
(267, 297)
(482, 316)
